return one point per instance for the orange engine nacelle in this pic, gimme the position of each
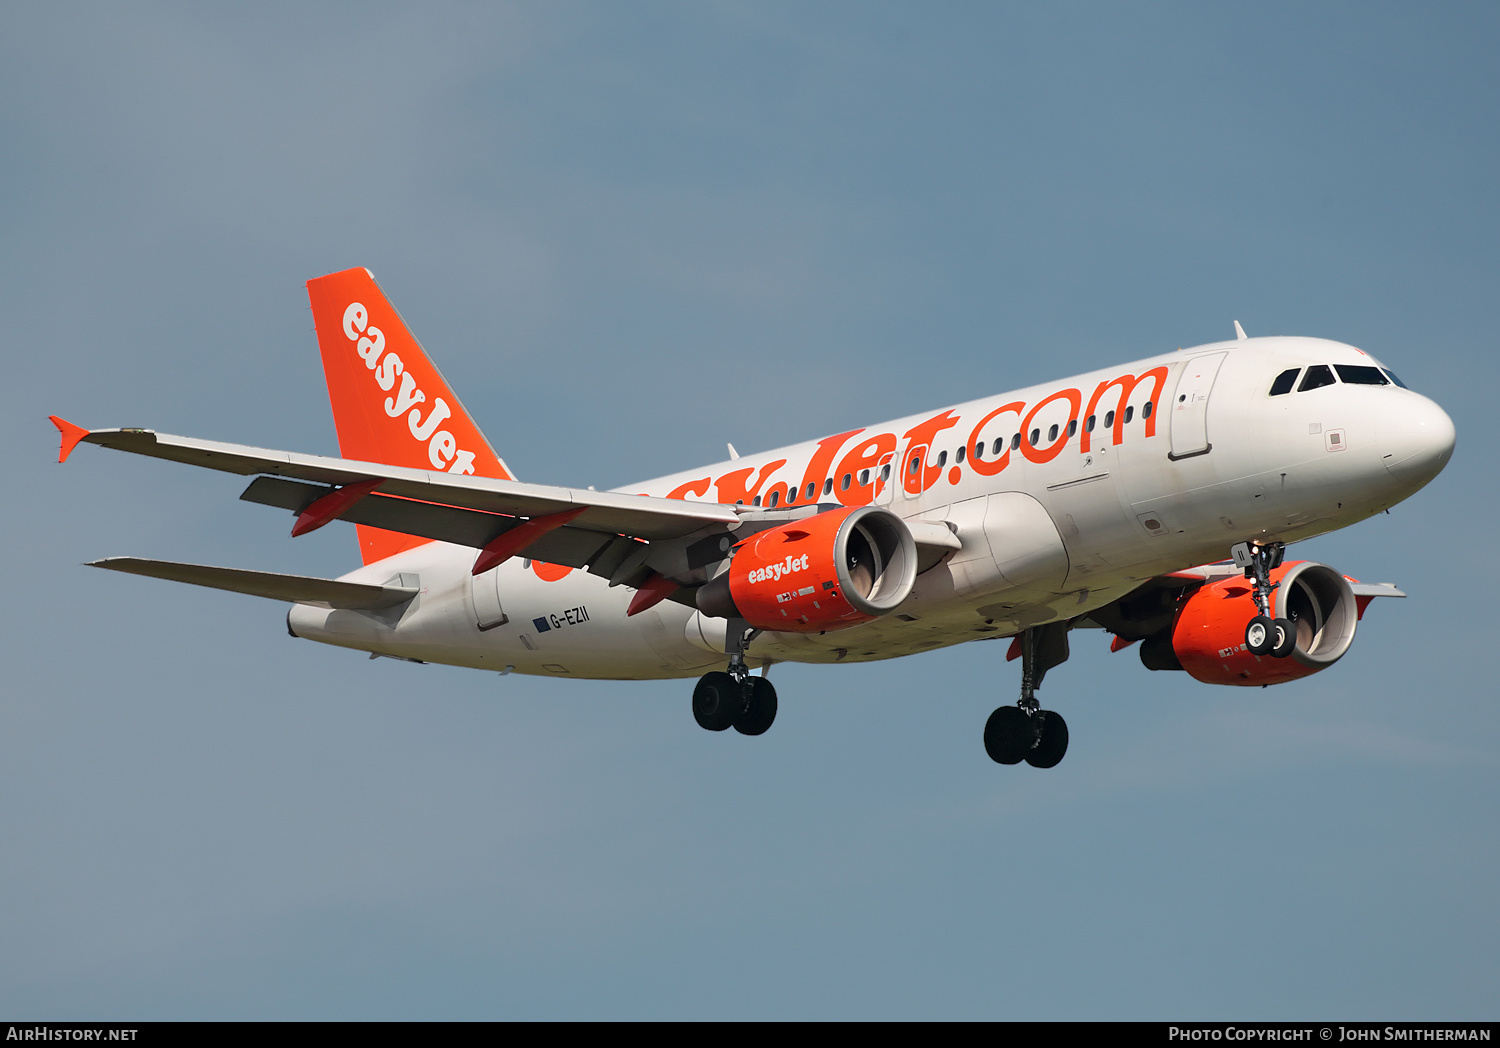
(1208, 635)
(826, 572)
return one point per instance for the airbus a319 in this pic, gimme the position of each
(1153, 500)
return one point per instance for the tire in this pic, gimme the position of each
(760, 707)
(1054, 741)
(1260, 636)
(1286, 638)
(1009, 735)
(717, 700)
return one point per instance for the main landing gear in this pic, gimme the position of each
(1265, 635)
(735, 699)
(1025, 731)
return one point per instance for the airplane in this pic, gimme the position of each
(1153, 501)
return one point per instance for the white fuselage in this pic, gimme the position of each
(1110, 494)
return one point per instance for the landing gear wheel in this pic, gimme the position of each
(1260, 635)
(1286, 638)
(1053, 743)
(1009, 735)
(718, 700)
(760, 707)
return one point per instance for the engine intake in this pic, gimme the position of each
(826, 572)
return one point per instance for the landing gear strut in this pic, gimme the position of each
(1264, 635)
(735, 699)
(1025, 731)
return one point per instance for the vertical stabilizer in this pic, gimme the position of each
(390, 404)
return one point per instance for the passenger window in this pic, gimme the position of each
(958, 456)
(757, 500)
(775, 498)
(942, 459)
(1052, 434)
(844, 484)
(864, 477)
(791, 496)
(916, 464)
(1072, 426)
(1285, 381)
(1146, 410)
(1392, 376)
(885, 472)
(1036, 435)
(1129, 413)
(1360, 375)
(979, 451)
(1015, 441)
(812, 489)
(1317, 375)
(1109, 419)
(1088, 427)
(828, 486)
(999, 444)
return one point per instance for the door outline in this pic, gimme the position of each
(1189, 424)
(489, 612)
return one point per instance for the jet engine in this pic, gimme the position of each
(826, 572)
(1207, 636)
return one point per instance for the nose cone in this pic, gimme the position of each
(1417, 441)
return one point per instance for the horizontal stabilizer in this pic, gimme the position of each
(298, 589)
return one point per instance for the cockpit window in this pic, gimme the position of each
(1317, 375)
(1285, 381)
(1392, 376)
(1360, 375)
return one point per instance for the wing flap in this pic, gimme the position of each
(298, 589)
(463, 527)
(574, 547)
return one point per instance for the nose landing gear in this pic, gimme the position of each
(1025, 731)
(1264, 635)
(735, 699)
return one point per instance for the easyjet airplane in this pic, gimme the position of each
(1153, 500)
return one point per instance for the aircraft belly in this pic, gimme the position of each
(554, 622)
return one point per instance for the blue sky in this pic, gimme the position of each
(628, 234)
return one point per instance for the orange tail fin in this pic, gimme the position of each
(390, 404)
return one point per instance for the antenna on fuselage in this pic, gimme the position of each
(1239, 331)
(732, 453)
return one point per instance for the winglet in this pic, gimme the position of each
(71, 435)
(1239, 332)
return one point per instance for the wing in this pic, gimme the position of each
(604, 512)
(622, 537)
